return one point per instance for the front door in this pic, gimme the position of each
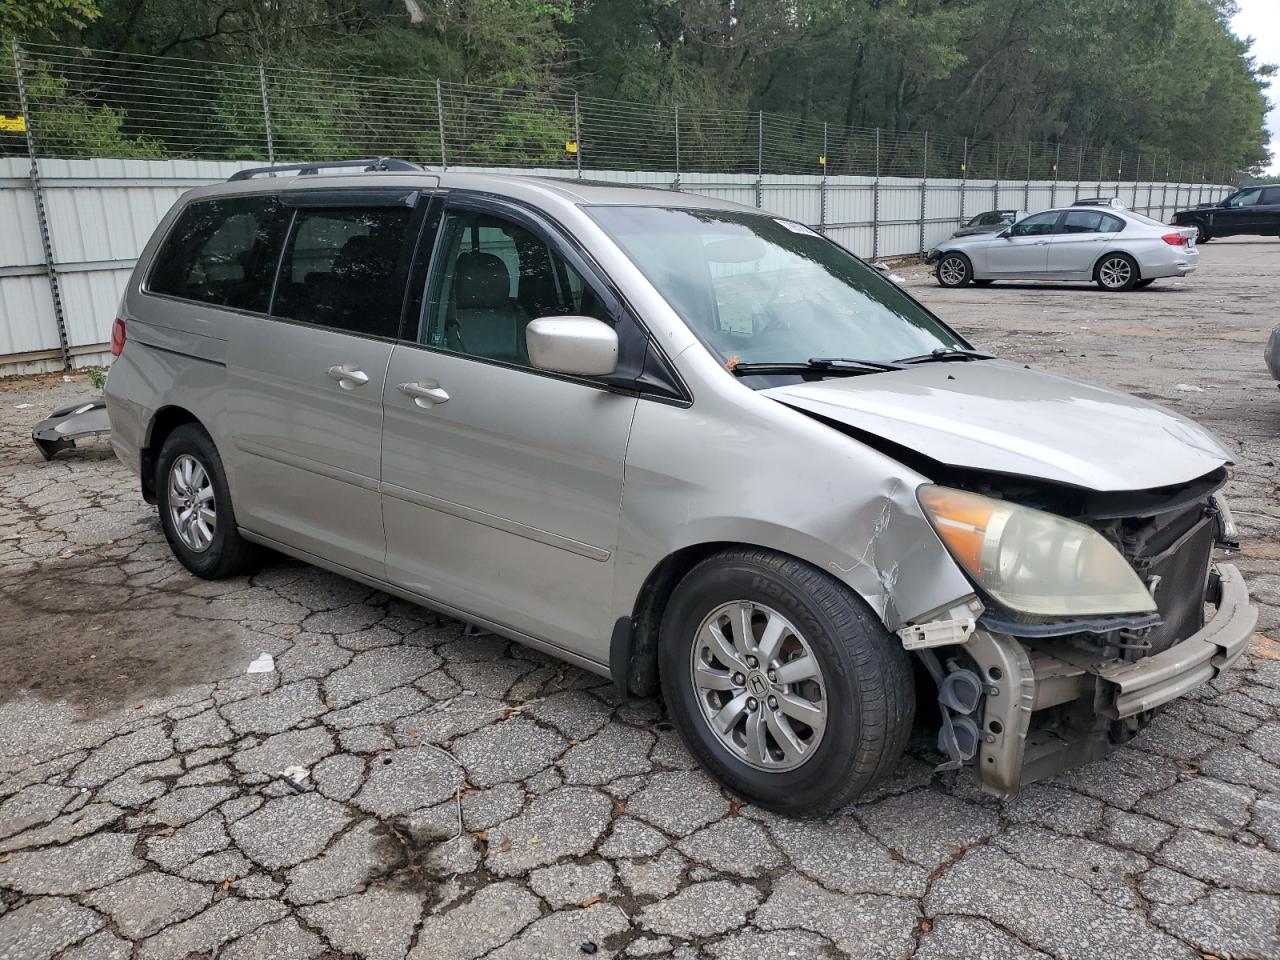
(1025, 251)
(1082, 236)
(304, 386)
(502, 484)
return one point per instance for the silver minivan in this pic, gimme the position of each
(691, 446)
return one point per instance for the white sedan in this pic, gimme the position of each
(1117, 249)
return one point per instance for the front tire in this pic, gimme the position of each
(195, 507)
(1116, 272)
(1202, 233)
(954, 270)
(782, 682)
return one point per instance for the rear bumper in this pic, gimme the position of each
(1173, 267)
(1092, 706)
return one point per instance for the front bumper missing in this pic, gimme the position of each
(1152, 681)
(1096, 698)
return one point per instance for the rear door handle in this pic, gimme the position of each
(425, 394)
(348, 376)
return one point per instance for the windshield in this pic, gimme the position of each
(766, 290)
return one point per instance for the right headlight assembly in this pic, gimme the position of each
(1031, 561)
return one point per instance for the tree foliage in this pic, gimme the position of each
(1139, 77)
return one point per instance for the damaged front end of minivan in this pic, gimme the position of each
(1025, 692)
(1089, 542)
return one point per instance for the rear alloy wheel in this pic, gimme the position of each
(782, 682)
(1117, 271)
(195, 507)
(954, 270)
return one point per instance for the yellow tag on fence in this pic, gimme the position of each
(16, 124)
(571, 147)
(822, 161)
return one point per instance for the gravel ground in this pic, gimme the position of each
(142, 813)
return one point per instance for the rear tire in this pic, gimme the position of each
(954, 270)
(1116, 272)
(829, 655)
(195, 507)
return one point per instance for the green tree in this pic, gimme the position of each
(42, 19)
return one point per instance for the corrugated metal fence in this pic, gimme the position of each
(101, 212)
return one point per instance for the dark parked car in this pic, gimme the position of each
(1273, 353)
(1253, 210)
(993, 221)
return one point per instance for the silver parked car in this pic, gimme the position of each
(690, 446)
(993, 221)
(1118, 249)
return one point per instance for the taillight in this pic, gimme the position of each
(117, 336)
(1174, 239)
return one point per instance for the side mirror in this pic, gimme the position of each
(578, 345)
(1003, 234)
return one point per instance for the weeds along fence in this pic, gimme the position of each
(95, 145)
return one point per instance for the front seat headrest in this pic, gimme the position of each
(482, 281)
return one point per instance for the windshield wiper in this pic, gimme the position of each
(827, 366)
(945, 354)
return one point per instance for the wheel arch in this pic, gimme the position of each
(633, 647)
(163, 422)
(1137, 264)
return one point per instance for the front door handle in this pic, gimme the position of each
(348, 376)
(425, 394)
(1041, 243)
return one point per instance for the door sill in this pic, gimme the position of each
(431, 603)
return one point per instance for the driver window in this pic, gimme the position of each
(495, 276)
(1040, 224)
(1245, 198)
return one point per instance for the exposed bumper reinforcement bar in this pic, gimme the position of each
(1147, 683)
(1025, 679)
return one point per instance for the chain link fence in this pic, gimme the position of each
(86, 104)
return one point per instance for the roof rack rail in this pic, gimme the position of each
(305, 169)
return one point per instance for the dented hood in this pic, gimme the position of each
(999, 416)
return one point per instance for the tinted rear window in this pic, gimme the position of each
(221, 252)
(345, 268)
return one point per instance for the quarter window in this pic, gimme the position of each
(221, 252)
(345, 269)
(495, 276)
(1039, 224)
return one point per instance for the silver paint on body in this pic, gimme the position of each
(1074, 256)
(538, 505)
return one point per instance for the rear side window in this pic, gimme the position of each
(345, 268)
(221, 252)
(1091, 221)
(1271, 196)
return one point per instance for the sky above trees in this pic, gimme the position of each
(1260, 20)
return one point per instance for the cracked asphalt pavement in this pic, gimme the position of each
(465, 797)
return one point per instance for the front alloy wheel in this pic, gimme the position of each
(759, 685)
(953, 270)
(782, 682)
